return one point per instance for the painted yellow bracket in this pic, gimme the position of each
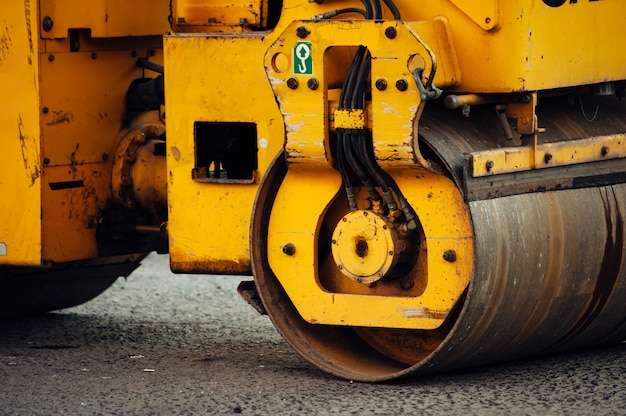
(307, 191)
(564, 153)
(350, 119)
(298, 71)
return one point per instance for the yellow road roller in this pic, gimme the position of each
(416, 186)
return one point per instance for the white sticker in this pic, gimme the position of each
(3, 249)
(263, 143)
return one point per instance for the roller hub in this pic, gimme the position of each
(365, 246)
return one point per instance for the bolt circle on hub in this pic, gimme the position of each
(365, 246)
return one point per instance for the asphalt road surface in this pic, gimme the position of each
(164, 344)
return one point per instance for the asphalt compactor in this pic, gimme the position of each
(415, 186)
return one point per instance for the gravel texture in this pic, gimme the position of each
(164, 344)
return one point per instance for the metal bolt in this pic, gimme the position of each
(45, 110)
(105, 156)
(94, 55)
(47, 24)
(489, 165)
(302, 32)
(289, 249)
(402, 84)
(152, 52)
(449, 255)
(604, 151)
(50, 57)
(292, 83)
(547, 158)
(391, 32)
(46, 161)
(313, 83)
(406, 283)
(381, 84)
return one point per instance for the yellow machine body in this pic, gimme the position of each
(415, 187)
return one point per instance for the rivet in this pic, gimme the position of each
(449, 255)
(47, 24)
(292, 83)
(391, 32)
(489, 165)
(45, 110)
(94, 55)
(381, 84)
(289, 249)
(46, 161)
(604, 151)
(313, 83)
(406, 283)
(402, 84)
(547, 158)
(302, 32)
(50, 57)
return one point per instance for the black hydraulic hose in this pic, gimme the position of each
(375, 171)
(378, 12)
(358, 97)
(344, 175)
(393, 8)
(350, 82)
(368, 9)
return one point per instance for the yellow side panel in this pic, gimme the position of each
(209, 223)
(78, 130)
(20, 169)
(533, 46)
(105, 18)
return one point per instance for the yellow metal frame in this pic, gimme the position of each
(547, 155)
(104, 18)
(394, 110)
(296, 218)
(20, 166)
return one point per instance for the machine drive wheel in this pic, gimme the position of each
(358, 352)
(31, 291)
(528, 284)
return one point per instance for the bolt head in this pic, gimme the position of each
(313, 83)
(381, 84)
(289, 249)
(402, 84)
(449, 256)
(391, 32)
(292, 83)
(47, 24)
(302, 32)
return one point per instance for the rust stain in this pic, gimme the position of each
(230, 266)
(29, 31)
(5, 44)
(175, 153)
(31, 166)
(61, 117)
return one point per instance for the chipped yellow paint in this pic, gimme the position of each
(547, 155)
(20, 167)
